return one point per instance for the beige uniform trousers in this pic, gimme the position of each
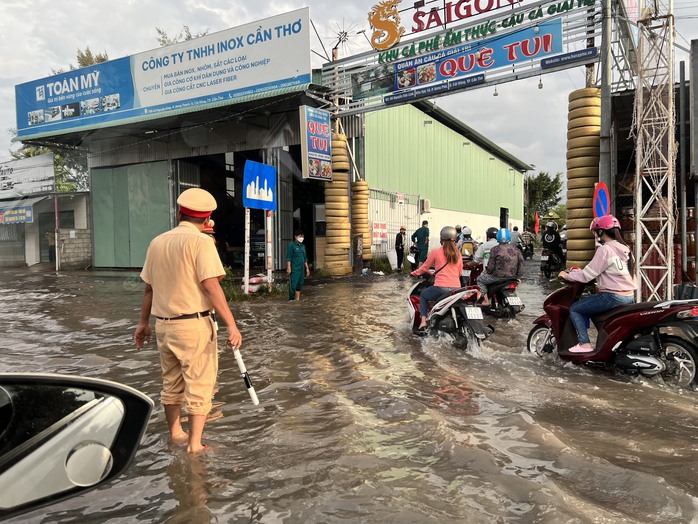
(189, 360)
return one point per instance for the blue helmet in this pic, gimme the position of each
(503, 236)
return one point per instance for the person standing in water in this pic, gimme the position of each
(296, 266)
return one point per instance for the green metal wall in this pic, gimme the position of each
(130, 207)
(405, 154)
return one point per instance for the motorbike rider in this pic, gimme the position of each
(448, 264)
(506, 261)
(527, 239)
(483, 252)
(552, 241)
(516, 237)
(467, 245)
(613, 268)
(459, 234)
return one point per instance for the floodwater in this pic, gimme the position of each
(360, 421)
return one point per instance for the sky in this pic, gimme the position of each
(40, 36)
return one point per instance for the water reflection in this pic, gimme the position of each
(359, 421)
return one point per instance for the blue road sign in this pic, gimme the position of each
(259, 186)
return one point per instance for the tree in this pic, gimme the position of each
(543, 194)
(185, 34)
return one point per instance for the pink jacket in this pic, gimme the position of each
(449, 276)
(610, 269)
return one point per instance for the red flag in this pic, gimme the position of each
(536, 226)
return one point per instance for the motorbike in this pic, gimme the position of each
(526, 251)
(550, 262)
(639, 338)
(504, 303)
(455, 313)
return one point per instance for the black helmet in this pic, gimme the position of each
(491, 232)
(448, 233)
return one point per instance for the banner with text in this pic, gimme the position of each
(316, 147)
(27, 176)
(222, 67)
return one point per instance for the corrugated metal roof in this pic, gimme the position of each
(167, 114)
(450, 121)
(12, 204)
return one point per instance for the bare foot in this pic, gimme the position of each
(180, 438)
(191, 449)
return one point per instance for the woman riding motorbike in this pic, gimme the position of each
(612, 267)
(449, 266)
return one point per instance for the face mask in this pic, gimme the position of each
(300, 239)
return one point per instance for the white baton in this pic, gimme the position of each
(246, 377)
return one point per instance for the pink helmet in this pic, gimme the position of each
(604, 223)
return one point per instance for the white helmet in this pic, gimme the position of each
(466, 231)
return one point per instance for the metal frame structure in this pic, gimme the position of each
(655, 176)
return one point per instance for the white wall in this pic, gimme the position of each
(439, 218)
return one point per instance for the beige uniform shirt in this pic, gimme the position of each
(175, 265)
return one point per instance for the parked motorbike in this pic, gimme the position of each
(504, 303)
(454, 313)
(550, 263)
(640, 338)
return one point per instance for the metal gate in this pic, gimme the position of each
(387, 211)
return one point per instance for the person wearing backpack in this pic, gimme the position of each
(467, 244)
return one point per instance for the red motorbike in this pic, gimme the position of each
(504, 303)
(640, 338)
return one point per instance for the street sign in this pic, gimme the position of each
(259, 186)
(602, 200)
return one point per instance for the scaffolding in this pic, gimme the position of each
(655, 176)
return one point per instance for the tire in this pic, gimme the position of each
(584, 93)
(581, 224)
(584, 172)
(340, 166)
(584, 141)
(583, 151)
(682, 360)
(582, 183)
(344, 206)
(578, 233)
(585, 213)
(547, 273)
(581, 254)
(584, 192)
(587, 101)
(329, 191)
(339, 157)
(585, 112)
(581, 245)
(580, 203)
(584, 161)
(583, 122)
(536, 339)
(578, 132)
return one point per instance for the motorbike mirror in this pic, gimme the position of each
(61, 436)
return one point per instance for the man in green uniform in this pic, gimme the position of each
(296, 263)
(421, 238)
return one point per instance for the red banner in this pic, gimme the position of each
(536, 226)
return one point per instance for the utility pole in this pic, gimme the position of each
(655, 175)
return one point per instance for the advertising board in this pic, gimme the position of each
(26, 177)
(316, 146)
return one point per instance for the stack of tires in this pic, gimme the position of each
(338, 234)
(359, 215)
(583, 151)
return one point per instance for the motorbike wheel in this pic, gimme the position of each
(682, 362)
(547, 273)
(463, 338)
(536, 341)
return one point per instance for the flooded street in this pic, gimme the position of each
(361, 421)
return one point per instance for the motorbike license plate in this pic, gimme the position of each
(465, 273)
(514, 301)
(544, 258)
(473, 313)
